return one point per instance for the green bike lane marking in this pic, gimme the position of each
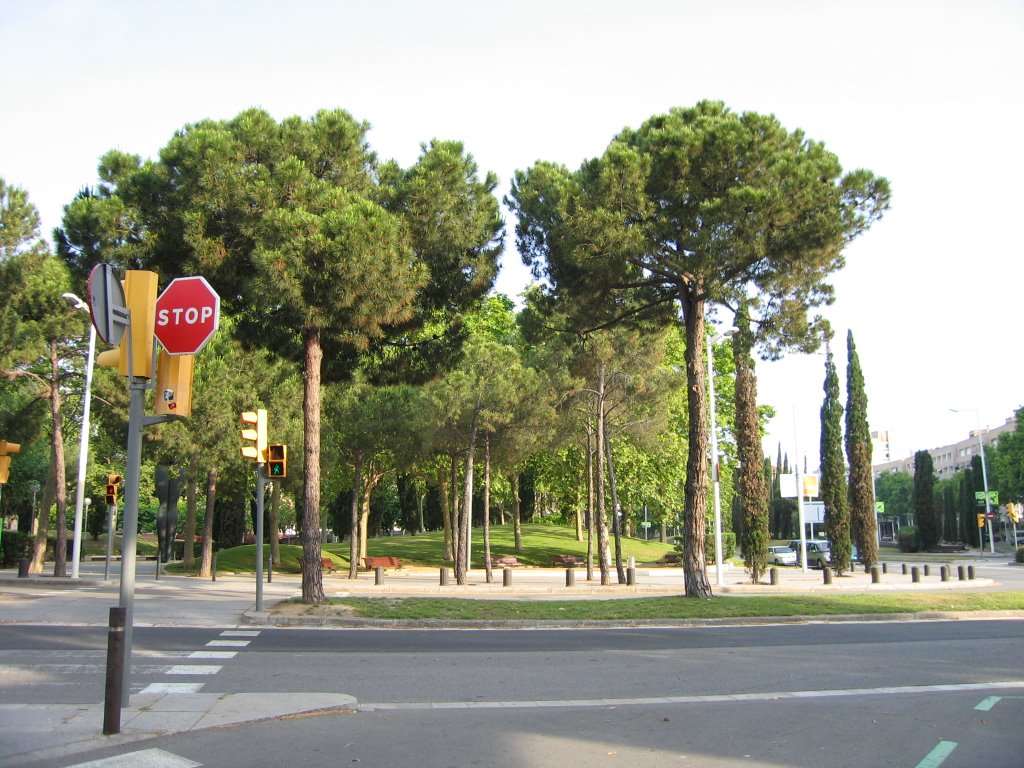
(937, 756)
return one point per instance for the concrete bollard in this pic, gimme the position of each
(773, 576)
(915, 574)
(961, 573)
(444, 577)
(970, 573)
(570, 577)
(506, 577)
(378, 575)
(876, 577)
(630, 576)
(944, 573)
(826, 573)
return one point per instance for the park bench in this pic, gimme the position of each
(567, 561)
(382, 562)
(671, 558)
(504, 561)
(328, 565)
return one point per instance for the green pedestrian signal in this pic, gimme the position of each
(277, 461)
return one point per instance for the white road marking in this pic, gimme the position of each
(213, 654)
(228, 643)
(172, 688)
(147, 758)
(725, 697)
(194, 669)
(240, 633)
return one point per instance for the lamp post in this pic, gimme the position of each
(712, 340)
(984, 479)
(83, 448)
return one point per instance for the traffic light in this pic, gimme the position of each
(277, 461)
(174, 384)
(981, 519)
(256, 432)
(113, 484)
(140, 299)
(1013, 511)
(6, 449)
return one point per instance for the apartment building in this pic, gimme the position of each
(948, 459)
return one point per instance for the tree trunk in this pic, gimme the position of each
(616, 511)
(206, 559)
(188, 554)
(312, 572)
(465, 524)
(59, 471)
(421, 498)
(517, 522)
(442, 488)
(696, 498)
(41, 519)
(487, 509)
(354, 535)
(372, 477)
(590, 504)
(602, 521)
(579, 508)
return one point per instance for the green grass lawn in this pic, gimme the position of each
(654, 608)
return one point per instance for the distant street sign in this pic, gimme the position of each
(991, 515)
(187, 315)
(879, 507)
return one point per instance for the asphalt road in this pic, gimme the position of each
(816, 694)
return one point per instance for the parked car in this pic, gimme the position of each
(781, 556)
(819, 554)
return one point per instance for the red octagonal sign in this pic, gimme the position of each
(187, 314)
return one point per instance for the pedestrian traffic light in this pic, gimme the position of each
(174, 384)
(6, 449)
(981, 520)
(255, 432)
(277, 461)
(113, 484)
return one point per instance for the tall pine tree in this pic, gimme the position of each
(833, 471)
(858, 453)
(928, 531)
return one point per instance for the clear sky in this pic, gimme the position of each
(928, 94)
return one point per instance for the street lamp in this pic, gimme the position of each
(83, 448)
(984, 478)
(714, 453)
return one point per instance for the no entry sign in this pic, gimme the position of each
(187, 314)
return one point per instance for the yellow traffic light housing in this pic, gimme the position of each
(981, 519)
(174, 384)
(1013, 511)
(256, 432)
(277, 461)
(113, 485)
(7, 448)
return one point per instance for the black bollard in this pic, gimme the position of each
(773, 576)
(961, 574)
(970, 573)
(876, 577)
(631, 576)
(506, 577)
(378, 575)
(23, 568)
(904, 569)
(444, 577)
(944, 573)
(885, 567)
(915, 574)
(926, 571)
(114, 688)
(826, 572)
(570, 577)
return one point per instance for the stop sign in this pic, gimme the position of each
(187, 314)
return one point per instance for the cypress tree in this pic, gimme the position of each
(863, 528)
(924, 500)
(832, 487)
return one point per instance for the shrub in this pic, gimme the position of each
(1020, 555)
(908, 539)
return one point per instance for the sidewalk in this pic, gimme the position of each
(37, 732)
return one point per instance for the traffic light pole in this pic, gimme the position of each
(130, 526)
(260, 482)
